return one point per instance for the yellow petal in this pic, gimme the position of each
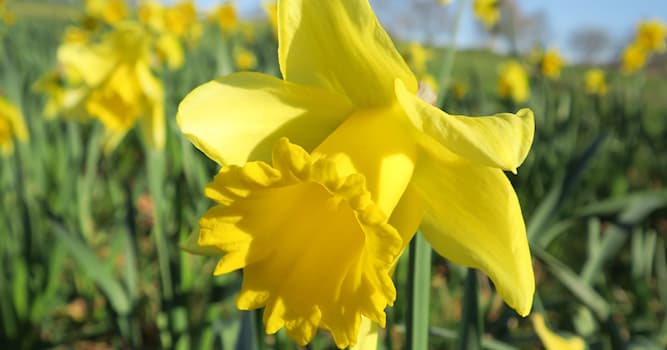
(368, 336)
(240, 116)
(339, 46)
(387, 161)
(152, 123)
(314, 249)
(553, 341)
(91, 63)
(500, 141)
(473, 218)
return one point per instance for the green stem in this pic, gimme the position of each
(418, 296)
(450, 55)
(85, 185)
(470, 331)
(155, 178)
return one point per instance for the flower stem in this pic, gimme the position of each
(448, 61)
(418, 296)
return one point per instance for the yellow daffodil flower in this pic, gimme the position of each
(327, 174)
(181, 20)
(271, 10)
(594, 82)
(633, 58)
(245, 59)
(225, 16)
(551, 64)
(418, 57)
(152, 15)
(11, 126)
(61, 99)
(487, 11)
(6, 16)
(170, 50)
(651, 35)
(110, 11)
(120, 88)
(553, 341)
(513, 82)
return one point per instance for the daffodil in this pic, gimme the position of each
(594, 82)
(225, 16)
(110, 11)
(633, 58)
(120, 89)
(513, 82)
(327, 174)
(11, 126)
(170, 50)
(487, 11)
(551, 64)
(245, 59)
(271, 9)
(417, 57)
(553, 341)
(152, 14)
(651, 35)
(6, 16)
(181, 20)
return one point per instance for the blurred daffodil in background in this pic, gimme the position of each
(649, 39)
(651, 35)
(181, 20)
(245, 59)
(513, 82)
(551, 340)
(271, 9)
(633, 58)
(12, 126)
(487, 11)
(225, 16)
(327, 174)
(118, 86)
(6, 16)
(595, 82)
(551, 64)
(109, 11)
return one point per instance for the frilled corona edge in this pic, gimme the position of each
(315, 250)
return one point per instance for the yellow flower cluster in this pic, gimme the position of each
(650, 38)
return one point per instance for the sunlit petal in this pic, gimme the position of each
(473, 218)
(340, 46)
(240, 116)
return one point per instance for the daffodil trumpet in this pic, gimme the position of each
(327, 174)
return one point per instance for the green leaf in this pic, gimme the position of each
(576, 285)
(470, 329)
(94, 269)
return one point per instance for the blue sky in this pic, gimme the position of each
(617, 17)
